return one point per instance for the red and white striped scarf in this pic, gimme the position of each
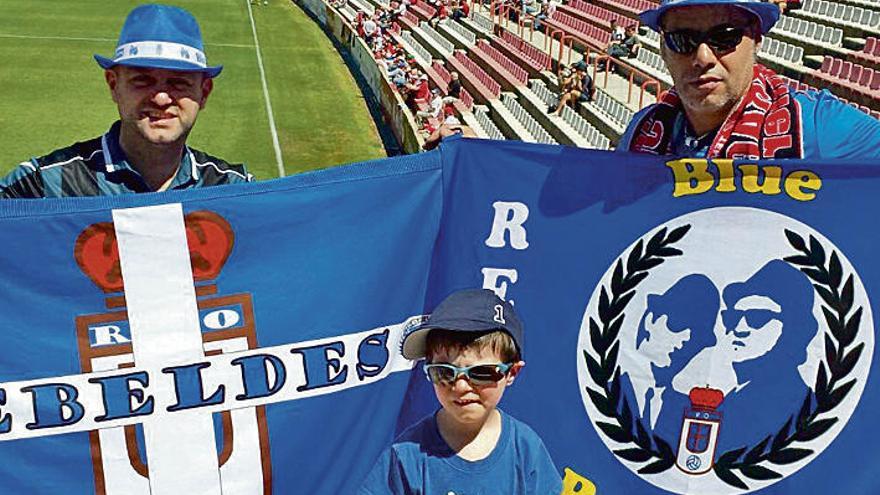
(765, 124)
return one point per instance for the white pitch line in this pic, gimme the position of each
(60, 38)
(101, 40)
(278, 159)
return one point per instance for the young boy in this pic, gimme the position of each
(472, 344)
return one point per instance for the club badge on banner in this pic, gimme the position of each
(691, 326)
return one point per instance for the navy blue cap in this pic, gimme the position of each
(767, 12)
(469, 310)
(161, 37)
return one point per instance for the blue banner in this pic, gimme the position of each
(691, 326)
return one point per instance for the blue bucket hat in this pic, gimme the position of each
(766, 12)
(161, 37)
(469, 310)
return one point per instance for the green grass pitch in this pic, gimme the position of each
(54, 93)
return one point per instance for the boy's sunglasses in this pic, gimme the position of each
(480, 374)
(721, 39)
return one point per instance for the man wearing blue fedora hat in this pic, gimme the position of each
(726, 105)
(160, 79)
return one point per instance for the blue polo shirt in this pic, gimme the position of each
(99, 167)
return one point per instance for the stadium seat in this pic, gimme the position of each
(537, 60)
(855, 74)
(507, 71)
(867, 75)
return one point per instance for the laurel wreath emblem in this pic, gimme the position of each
(605, 372)
(830, 389)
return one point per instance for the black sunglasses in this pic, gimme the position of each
(721, 39)
(755, 318)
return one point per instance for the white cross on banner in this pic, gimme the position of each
(164, 319)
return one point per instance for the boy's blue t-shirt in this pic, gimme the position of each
(419, 462)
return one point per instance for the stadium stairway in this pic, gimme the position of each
(412, 46)
(481, 25)
(575, 129)
(436, 43)
(484, 125)
(460, 36)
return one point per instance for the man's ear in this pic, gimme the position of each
(514, 371)
(207, 87)
(112, 80)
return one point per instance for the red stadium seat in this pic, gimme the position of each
(834, 69)
(845, 69)
(855, 74)
(534, 59)
(867, 75)
(826, 65)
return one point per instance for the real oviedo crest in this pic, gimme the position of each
(227, 325)
(724, 350)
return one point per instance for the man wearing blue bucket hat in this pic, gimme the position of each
(160, 79)
(726, 105)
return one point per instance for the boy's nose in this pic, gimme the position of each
(461, 384)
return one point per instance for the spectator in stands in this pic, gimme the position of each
(449, 117)
(577, 87)
(401, 8)
(563, 72)
(725, 105)
(383, 18)
(441, 14)
(397, 72)
(453, 90)
(615, 44)
(418, 92)
(159, 94)
(460, 9)
(628, 47)
(370, 29)
(436, 107)
(446, 130)
(617, 33)
(530, 7)
(543, 14)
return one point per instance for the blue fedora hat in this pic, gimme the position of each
(160, 37)
(767, 13)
